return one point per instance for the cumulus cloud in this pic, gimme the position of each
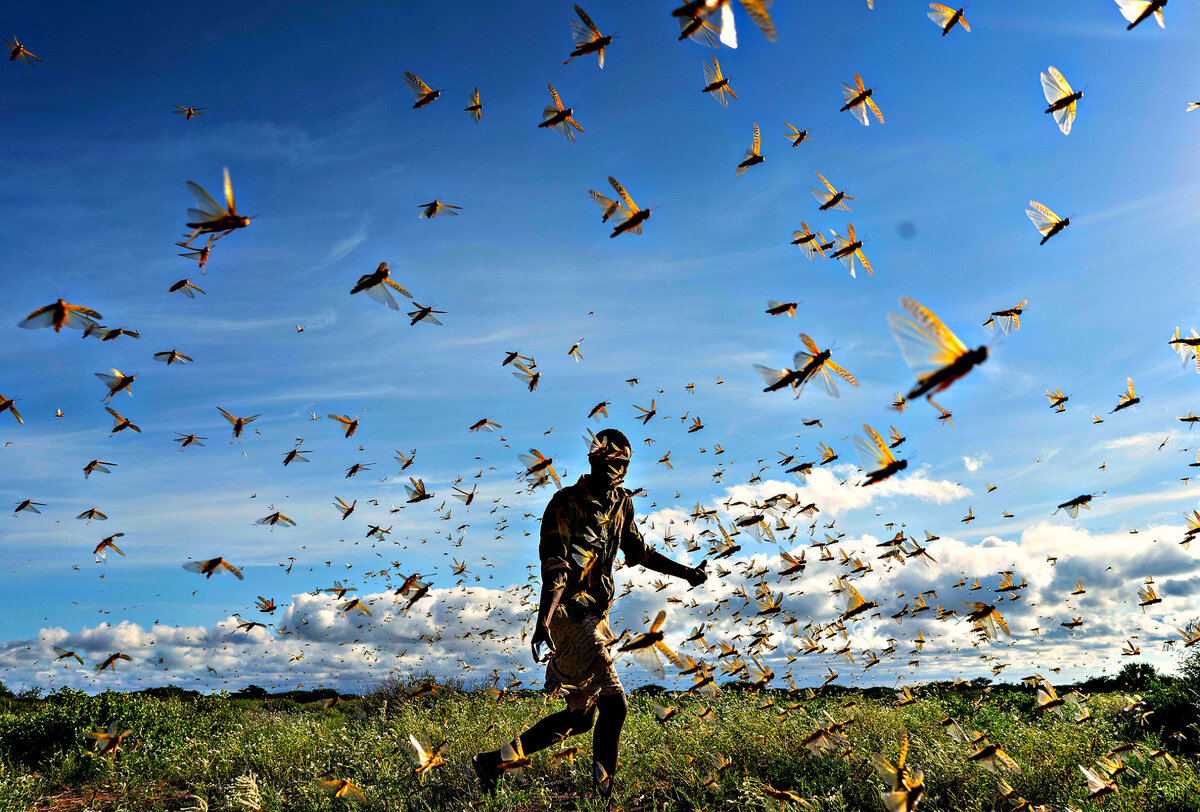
(973, 464)
(480, 634)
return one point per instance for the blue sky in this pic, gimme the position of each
(307, 108)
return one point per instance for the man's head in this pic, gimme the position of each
(609, 456)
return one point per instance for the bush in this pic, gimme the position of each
(55, 728)
(1189, 662)
(1136, 676)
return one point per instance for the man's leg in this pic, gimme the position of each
(551, 730)
(606, 738)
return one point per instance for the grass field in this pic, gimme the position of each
(223, 753)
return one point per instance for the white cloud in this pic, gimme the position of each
(473, 631)
(973, 464)
(1144, 441)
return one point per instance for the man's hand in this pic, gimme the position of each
(541, 637)
(698, 575)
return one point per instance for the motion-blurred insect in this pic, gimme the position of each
(97, 465)
(986, 619)
(538, 466)
(476, 107)
(946, 18)
(343, 508)
(111, 662)
(587, 38)
(376, 286)
(424, 757)
(200, 255)
(212, 566)
(29, 505)
(848, 250)
(422, 93)
(18, 52)
(797, 137)
(1128, 397)
(624, 211)
(173, 357)
(107, 742)
(646, 647)
(239, 423)
(878, 461)
(854, 602)
(64, 654)
(558, 118)
(350, 424)
(341, 788)
(905, 786)
(933, 352)
(858, 99)
(811, 242)
(752, 156)
(528, 375)
(185, 287)
(186, 440)
(1046, 221)
(278, 518)
(93, 513)
(423, 313)
(832, 199)
(60, 315)
(694, 24)
(110, 335)
(693, 12)
(1098, 783)
(1072, 506)
(107, 544)
(1147, 596)
(1187, 347)
(716, 84)
(120, 423)
(433, 209)
(8, 405)
(211, 217)
(188, 112)
(1138, 10)
(1061, 98)
(815, 364)
(1010, 318)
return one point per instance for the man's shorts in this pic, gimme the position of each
(582, 665)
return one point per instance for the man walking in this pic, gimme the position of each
(583, 527)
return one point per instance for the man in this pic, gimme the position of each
(583, 527)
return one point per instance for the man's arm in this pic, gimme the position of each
(552, 550)
(552, 590)
(654, 560)
(638, 553)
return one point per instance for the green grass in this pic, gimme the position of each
(198, 748)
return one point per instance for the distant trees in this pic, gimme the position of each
(251, 692)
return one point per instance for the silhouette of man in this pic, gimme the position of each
(583, 527)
